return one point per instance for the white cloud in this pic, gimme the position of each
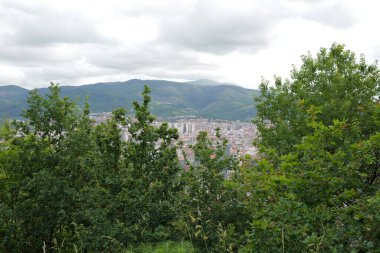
(11, 75)
(77, 42)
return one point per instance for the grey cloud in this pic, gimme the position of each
(145, 60)
(34, 56)
(39, 25)
(218, 30)
(307, 1)
(100, 60)
(336, 15)
(65, 73)
(213, 28)
(51, 44)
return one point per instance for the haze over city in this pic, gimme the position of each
(81, 42)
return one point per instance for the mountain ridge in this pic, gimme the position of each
(169, 98)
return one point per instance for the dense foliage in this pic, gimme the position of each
(316, 187)
(68, 185)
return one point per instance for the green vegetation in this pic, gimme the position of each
(13, 101)
(165, 247)
(69, 186)
(199, 98)
(317, 187)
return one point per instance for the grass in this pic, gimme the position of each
(165, 247)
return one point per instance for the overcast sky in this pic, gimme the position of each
(80, 42)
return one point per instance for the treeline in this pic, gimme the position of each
(67, 185)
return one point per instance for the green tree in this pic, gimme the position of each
(136, 184)
(153, 171)
(212, 215)
(317, 182)
(332, 86)
(68, 185)
(97, 223)
(43, 166)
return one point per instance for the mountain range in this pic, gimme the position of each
(202, 98)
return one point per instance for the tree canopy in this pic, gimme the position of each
(317, 183)
(69, 185)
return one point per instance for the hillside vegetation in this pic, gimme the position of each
(69, 186)
(201, 98)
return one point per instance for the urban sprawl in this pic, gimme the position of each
(240, 135)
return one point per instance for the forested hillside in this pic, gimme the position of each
(12, 101)
(202, 98)
(67, 185)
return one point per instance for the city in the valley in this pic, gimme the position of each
(240, 135)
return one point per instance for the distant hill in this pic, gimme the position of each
(203, 98)
(12, 101)
(207, 82)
